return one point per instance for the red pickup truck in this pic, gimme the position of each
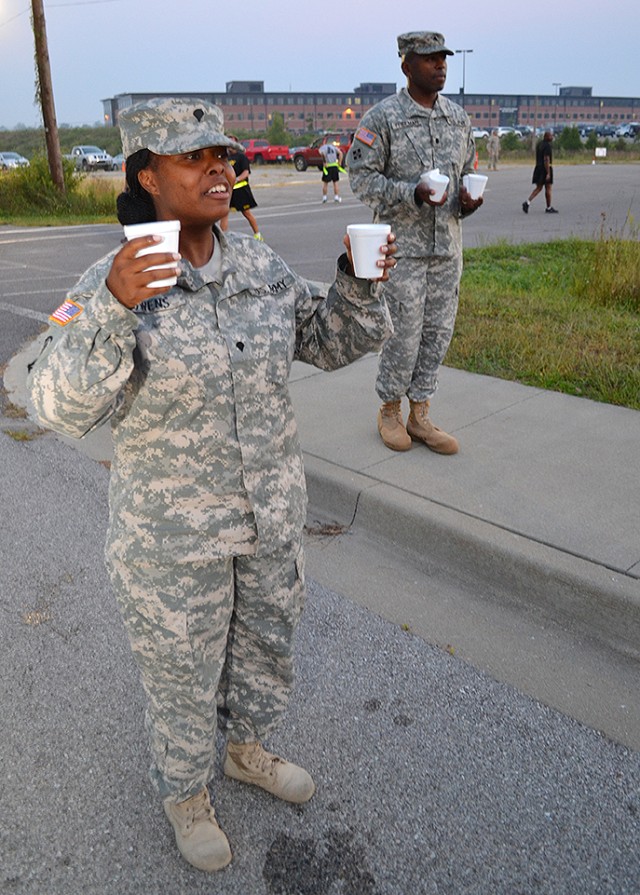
(310, 156)
(261, 151)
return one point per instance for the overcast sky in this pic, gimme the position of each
(99, 48)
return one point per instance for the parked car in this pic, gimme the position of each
(117, 162)
(629, 129)
(90, 158)
(503, 131)
(261, 151)
(12, 160)
(605, 130)
(479, 133)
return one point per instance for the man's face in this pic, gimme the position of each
(427, 74)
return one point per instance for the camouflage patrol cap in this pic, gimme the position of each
(423, 42)
(171, 125)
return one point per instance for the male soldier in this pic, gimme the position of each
(207, 495)
(493, 150)
(400, 138)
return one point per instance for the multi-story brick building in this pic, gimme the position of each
(248, 108)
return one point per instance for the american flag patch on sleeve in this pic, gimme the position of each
(366, 136)
(67, 312)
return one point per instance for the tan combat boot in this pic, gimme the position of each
(251, 763)
(420, 428)
(199, 838)
(391, 427)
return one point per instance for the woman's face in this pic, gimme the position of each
(193, 187)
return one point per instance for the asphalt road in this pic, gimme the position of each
(432, 777)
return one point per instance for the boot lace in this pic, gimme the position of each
(391, 409)
(200, 809)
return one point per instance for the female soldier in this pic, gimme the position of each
(207, 493)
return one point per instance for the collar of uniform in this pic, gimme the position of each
(193, 278)
(239, 270)
(440, 107)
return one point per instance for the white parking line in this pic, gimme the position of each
(24, 312)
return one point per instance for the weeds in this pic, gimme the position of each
(554, 315)
(610, 275)
(29, 195)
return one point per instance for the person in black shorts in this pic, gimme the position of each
(242, 196)
(542, 174)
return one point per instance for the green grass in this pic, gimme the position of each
(558, 316)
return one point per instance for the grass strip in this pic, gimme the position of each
(562, 316)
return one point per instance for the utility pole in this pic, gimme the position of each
(464, 60)
(45, 94)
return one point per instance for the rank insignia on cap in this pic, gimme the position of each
(366, 136)
(67, 312)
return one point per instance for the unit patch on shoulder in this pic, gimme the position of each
(67, 312)
(366, 136)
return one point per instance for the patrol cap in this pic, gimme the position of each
(171, 125)
(423, 42)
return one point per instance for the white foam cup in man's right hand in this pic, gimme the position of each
(475, 184)
(170, 233)
(366, 241)
(436, 181)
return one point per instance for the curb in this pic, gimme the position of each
(569, 591)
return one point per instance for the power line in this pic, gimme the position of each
(55, 5)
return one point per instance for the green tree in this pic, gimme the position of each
(592, 140)
(276, 134)
(569, 139)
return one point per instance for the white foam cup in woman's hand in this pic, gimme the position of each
(170, 233)
(366, 241)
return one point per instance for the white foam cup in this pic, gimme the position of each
(436, 181)
(475, 184)
(170, 233)
(366, 241)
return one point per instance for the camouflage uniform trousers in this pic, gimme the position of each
(213, 638)
(422, 296)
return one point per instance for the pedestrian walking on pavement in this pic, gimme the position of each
(401, 138)
(542, 174)
(207, 491)
(332, 156)
(493, 150)
(242, 198)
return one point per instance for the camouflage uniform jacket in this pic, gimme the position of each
(397, 142)
(206, 454)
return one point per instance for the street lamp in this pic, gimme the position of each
(557, 85)
(464, 59)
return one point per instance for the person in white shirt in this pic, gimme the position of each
(331, 171)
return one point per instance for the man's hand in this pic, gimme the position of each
(467, 204)
(424, 192)
(128, 278)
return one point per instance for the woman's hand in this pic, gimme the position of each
(128, 278)
(386, 264)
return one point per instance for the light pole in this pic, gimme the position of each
(464, 59)
(557, 85)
